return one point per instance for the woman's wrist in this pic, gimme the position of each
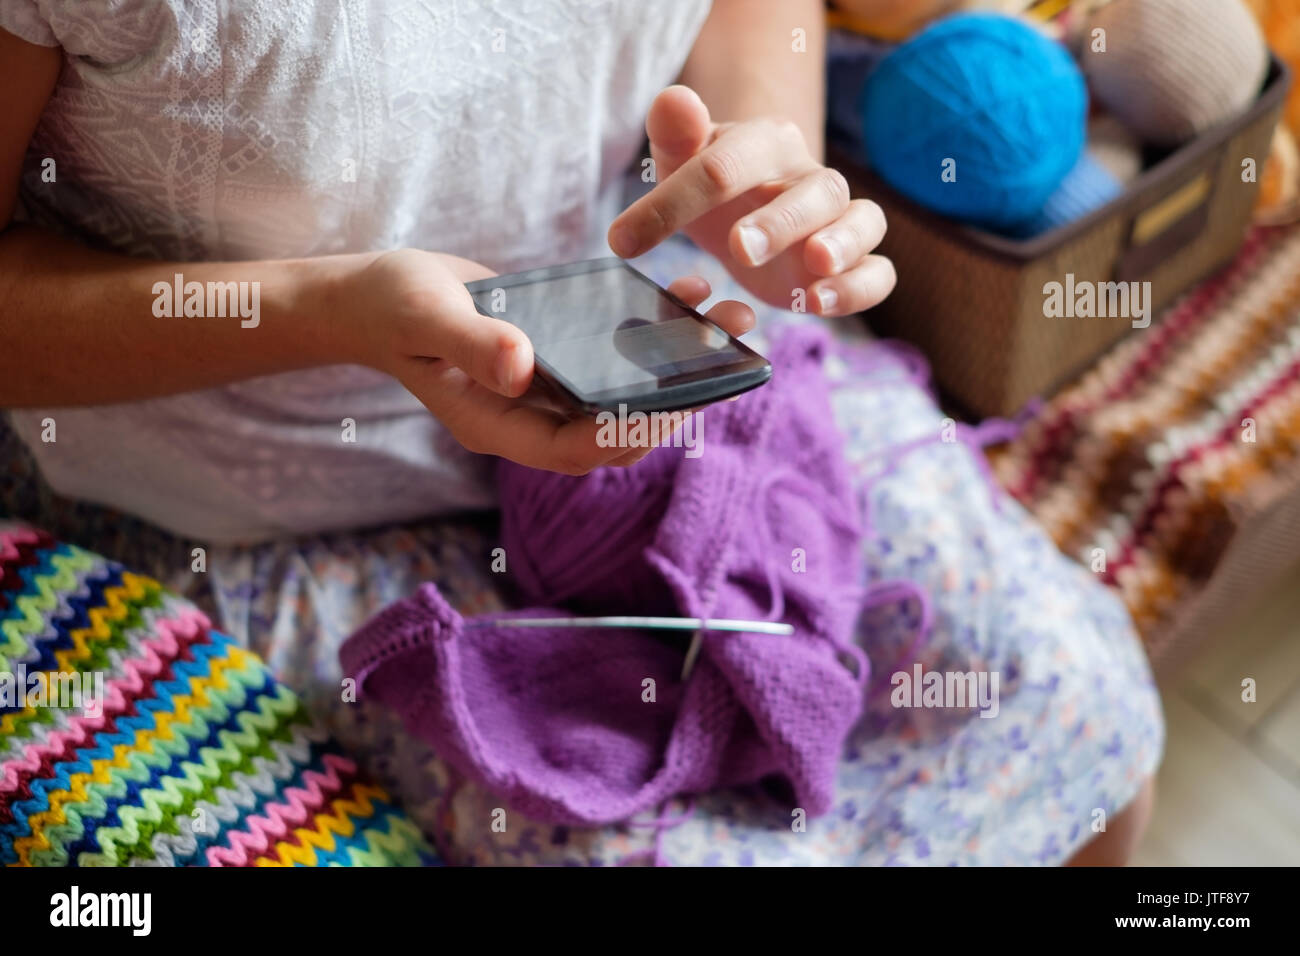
(327, 319)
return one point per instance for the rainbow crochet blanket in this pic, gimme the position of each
(131, 733)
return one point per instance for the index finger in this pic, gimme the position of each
(747, 155)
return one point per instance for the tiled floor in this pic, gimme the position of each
(1229, 788)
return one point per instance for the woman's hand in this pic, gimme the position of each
(752, 195)
(473, 372)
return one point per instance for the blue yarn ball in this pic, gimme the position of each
(1004, 102)
(1085, 188)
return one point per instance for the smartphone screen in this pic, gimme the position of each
(607, 335)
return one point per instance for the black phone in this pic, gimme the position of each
(605, 336)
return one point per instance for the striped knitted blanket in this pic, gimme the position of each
(1149, 466)
(131, 733)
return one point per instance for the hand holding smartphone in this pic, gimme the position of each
(606, 336)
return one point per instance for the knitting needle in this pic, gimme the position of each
(696, 624)
(652, 623)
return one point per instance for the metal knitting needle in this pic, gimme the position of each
(696, 624)
(652, 623)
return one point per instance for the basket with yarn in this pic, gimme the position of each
(984, 118)
(1130, 204)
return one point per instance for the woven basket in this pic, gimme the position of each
(974, 301)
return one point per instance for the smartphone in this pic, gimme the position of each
(604, 335)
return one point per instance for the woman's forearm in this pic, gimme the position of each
(748, 61)
(84, 327)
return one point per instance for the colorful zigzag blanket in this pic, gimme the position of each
(132, 733)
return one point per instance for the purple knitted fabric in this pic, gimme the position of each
(553, 720)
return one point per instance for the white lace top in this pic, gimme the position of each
(497, 130)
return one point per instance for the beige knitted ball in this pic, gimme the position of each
(1172, 68)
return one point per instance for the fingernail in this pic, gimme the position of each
(826, 298)
(836, 251)
(623, 241)
(506, 369)
(754, 241)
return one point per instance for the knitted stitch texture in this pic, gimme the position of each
(557, 721)
(194, 755)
